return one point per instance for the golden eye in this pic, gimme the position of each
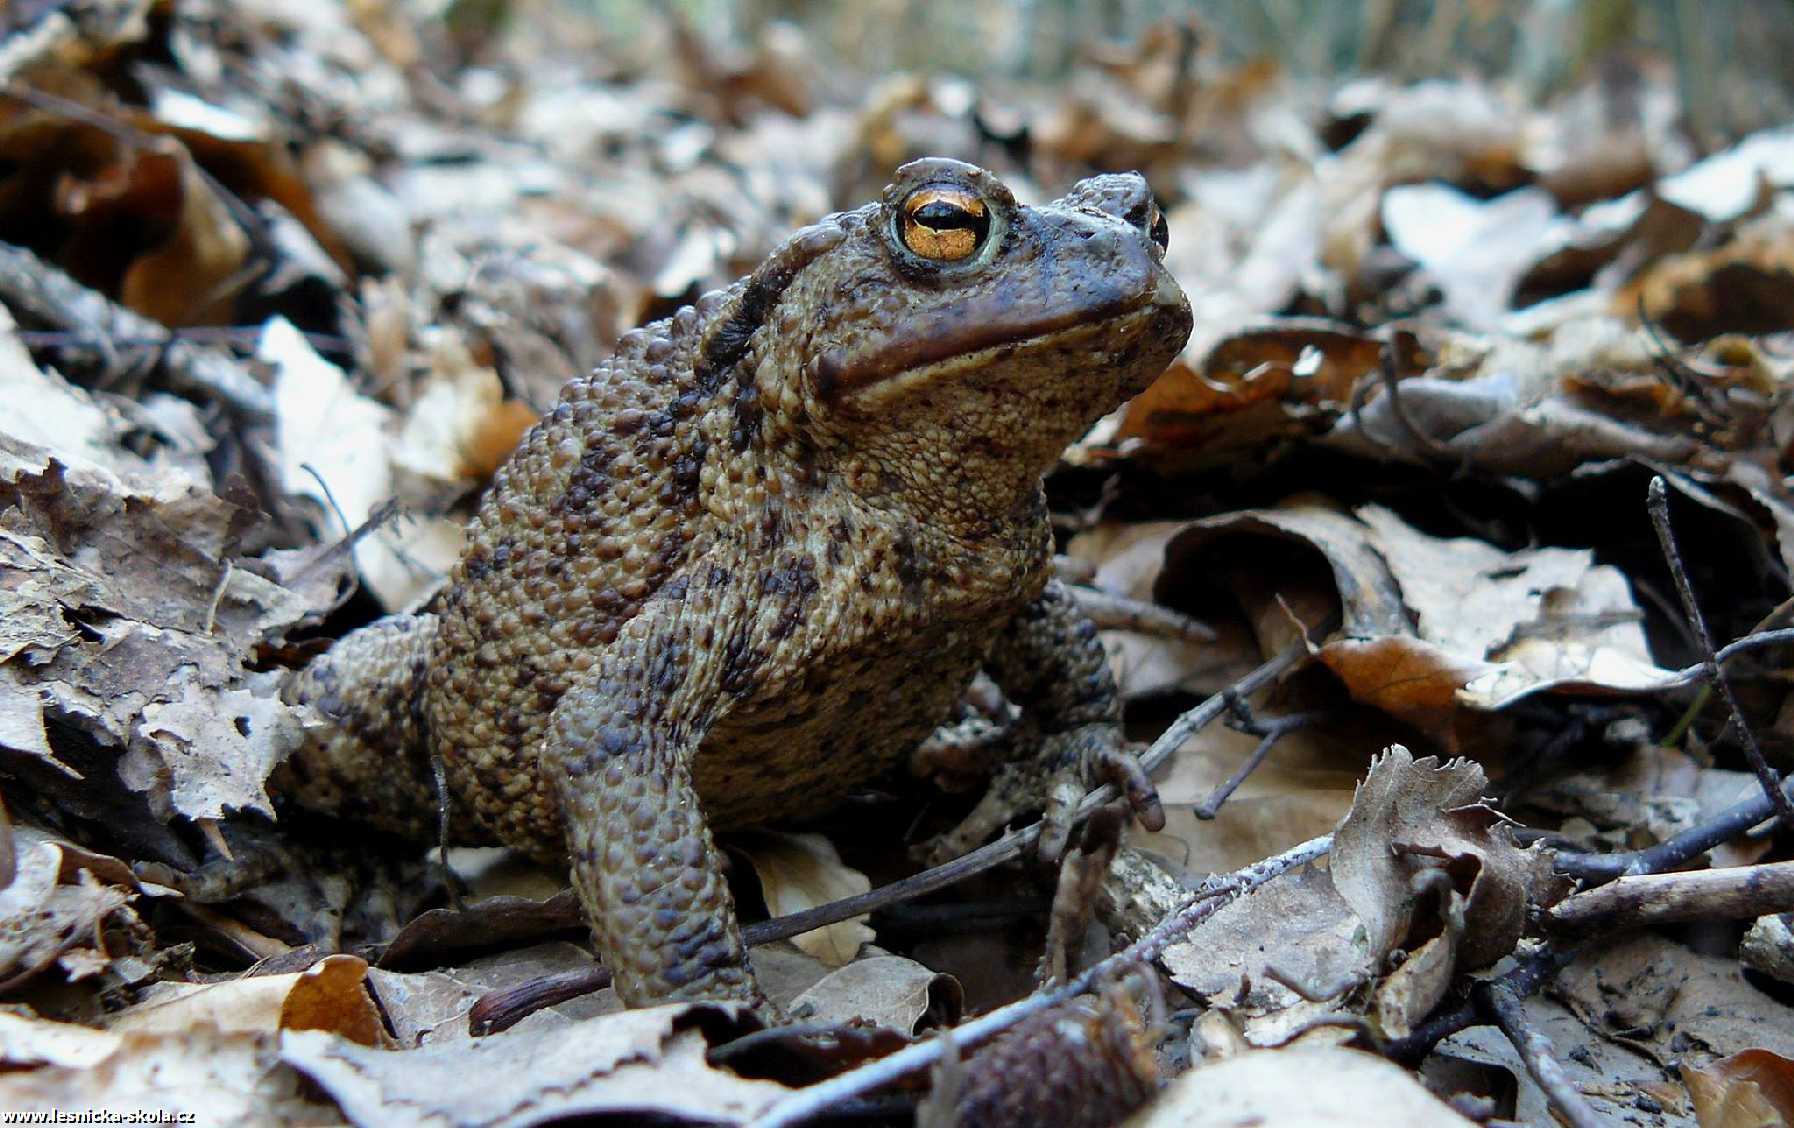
(944, 223)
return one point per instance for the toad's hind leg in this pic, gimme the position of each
(371, 762)
(618, 752)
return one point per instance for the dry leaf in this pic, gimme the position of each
(331, 995)
(888, 990)
(199, 1072)
(801, 871)
(1750, 1089)
(1412, 816)
(1284, 1088)
(637, 1063)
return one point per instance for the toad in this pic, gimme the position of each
(751, 561)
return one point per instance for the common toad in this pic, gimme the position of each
(752, 560)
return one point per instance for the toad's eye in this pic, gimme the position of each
(945, 224)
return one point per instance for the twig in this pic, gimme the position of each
(1117, 612)
(1529, 971)
(1389, 372)
(1502, 1003)
(1214, 894)
(1686, 382)
(232, 336)
(44, 293)
(502, 1009)
(1733, 893)
(1657, 502)
(1672, 852)
(1271, 729)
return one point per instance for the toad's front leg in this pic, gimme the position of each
(1050, 662)
(619, 750)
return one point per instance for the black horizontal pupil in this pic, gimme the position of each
(939, 215)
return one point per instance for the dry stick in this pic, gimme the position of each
(1733, 893)
(1657, 502)
(1209, 899)
(37, 289)
(1118, 612)
(1529, 971)
(496, 1011)
(1271, 730)
(1502, 1003)
(1672, 852)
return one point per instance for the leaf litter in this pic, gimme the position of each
(284, 282)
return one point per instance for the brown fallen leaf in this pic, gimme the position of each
(1411, 814)
(1432, 626)
(1750, 1089)
(331, 995)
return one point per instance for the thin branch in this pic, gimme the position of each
(1214, 894)
(1529, 972)
(1117, 612)
(1733, 893)
(1389, 372)
(1502, 1003)
(1673, 852)
(1658, 504)
(502, 1009)
(1271, 730)
(1011, 846)
(44, 293)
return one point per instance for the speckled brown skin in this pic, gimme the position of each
(753, 560)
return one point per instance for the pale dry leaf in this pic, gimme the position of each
(432, 1006)
(45, 913)
(1128, 559)
(1297, 926)
(640, 1063)
(445, 434)
(892, 991)
(27, 1042)
(1412, 991)
(345, 437)
(1535, 619)
(198, 1072)
(44, 410)
(1728, 184)
(1303, 789)
(1475, 249)
(1299, 1085)
(1674, 1004)
(801, 871)
(219, 746)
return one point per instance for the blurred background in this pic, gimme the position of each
(1733, 59)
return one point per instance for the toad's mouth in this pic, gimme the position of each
(970, 335)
